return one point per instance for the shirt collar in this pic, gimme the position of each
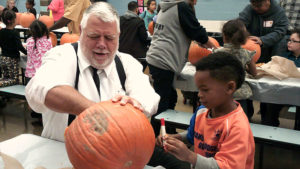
(85, 63)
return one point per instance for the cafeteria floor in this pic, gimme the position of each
(274, 157)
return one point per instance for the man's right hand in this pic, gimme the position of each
(209, 44)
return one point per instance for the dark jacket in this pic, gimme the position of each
(133, 38)
(10, 43)
(270, 27)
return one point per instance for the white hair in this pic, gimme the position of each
(103, 11)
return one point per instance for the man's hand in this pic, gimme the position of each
(256, 40)
(208, 44)
(179, 150)
(126, 99)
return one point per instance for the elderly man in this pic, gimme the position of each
(72, 15)
(53, 89)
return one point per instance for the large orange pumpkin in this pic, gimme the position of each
(26, 19)
(53, 39)
(252, 46)
(196, 52)
(18, 17)
(47, 20)
(69, 38)
(151, 28)
(110, 136)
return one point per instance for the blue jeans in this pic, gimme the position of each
(163, 86)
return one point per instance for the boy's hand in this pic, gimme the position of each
(159, 139)
(180, 150)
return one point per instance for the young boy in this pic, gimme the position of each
(220, 131)
(294, 47)
(30, 7)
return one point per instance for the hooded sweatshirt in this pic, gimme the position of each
(270, 26)
(133, 38)
(175, 27)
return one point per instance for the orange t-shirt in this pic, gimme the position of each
(228, 139)
(74, 10)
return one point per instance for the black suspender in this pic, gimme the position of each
(119, 66)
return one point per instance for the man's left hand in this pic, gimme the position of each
(126, 99)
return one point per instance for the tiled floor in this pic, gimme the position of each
(274, 158)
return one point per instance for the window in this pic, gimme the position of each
(142, 5)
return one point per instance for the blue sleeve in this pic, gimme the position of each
(190, 134)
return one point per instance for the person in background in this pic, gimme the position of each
(57, 8)
(74, 10)
(1, 11)
(294, 47)
(30, 7)
(234, 35)
(267, 24)
(10, 4)
(148, 14)
(37, 45)
(133, 38)
(168, 51)
(11, 46)
(219, 129)
(69, 80)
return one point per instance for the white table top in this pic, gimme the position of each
(266, 89)
(33, 151)
(60, 30)
(212, 25)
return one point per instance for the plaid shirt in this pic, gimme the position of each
(292, 11)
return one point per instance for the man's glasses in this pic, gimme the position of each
(292, 41)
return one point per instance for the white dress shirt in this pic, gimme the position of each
(59, 68)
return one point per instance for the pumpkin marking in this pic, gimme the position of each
(128, 164)
(97, 121)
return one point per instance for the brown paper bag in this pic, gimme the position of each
(280, 68)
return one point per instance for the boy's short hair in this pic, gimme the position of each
(223, 66)
(296, 30)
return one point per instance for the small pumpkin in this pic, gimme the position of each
(197, 52)
(47, 20)
(252, 46)
(26, 19)
(151, 27)
(53, 39)
(69, 38)
(108, 135)
(18, 17)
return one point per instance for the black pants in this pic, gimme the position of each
(163, 86)
(247, 106)
(168, 161)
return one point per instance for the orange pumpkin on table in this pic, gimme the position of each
(196, 52)
(18, 17)
(151, 28)
(69, 38)
(26, 19)
(108, 135)
(252, 46)
(53, 38)
(47, 20)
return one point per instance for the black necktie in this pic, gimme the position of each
(96, 79)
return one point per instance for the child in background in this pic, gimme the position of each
(220, 132)
(37, 45)
(57, 7)
(10, 4)
(234, 35)
(11, 46)
(30, 8)
(294, 47)
(149, 13)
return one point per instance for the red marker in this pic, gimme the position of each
(163, 128)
